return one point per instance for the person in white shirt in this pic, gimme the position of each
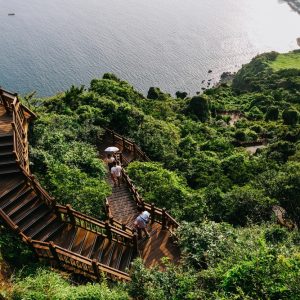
(116, 172)
(142, 220)
(110, 161)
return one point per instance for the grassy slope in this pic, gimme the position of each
(286, 61)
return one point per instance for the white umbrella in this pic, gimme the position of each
(111, 149)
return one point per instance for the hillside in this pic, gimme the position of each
(222, 163)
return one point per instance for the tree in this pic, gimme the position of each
(199, 106)
(272, 114)
(181, 95)
(290, 117)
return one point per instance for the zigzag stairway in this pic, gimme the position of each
(61, 235)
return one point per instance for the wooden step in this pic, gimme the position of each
(8, 161)
(126, 259)
(35, 225)
(101, 245)
(117, 256)
(6, 144)
(73, 240)
(16, 198)
(27, 213)
(36, 231)
(79, 240)
(23, 205)
(89, 244)
(6, 136)
(6, 153)
(55, 227)
(11, 190)
(9, 170)
(65, 237)
(107, 255)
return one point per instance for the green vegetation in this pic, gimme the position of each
(221, 194)
(286, 61)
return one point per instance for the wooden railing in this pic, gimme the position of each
(80, 264)
(157, 215)
(127, 145)
(7, 99)
(67, 214)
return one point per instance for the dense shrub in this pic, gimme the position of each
(290, 117)
(199, 106)
(272, 114)
(46, 284)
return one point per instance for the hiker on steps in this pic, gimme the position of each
(141, 221)
(110, 159)
(116, 172)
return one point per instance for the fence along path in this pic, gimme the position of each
(59, 234)
(122, 206)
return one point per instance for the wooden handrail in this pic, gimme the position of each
(127, 144)
(158, 215)
(93, 224)
(66, 257)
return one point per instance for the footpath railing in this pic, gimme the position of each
(127, 145)
(78, 263)
(20, 123)
(158, 215)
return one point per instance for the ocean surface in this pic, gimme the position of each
(51, 44)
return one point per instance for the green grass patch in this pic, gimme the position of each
(286, 61)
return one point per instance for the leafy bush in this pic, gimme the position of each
(199, 107)
(13, 250)
(46, 284)
(272, 114)
(171, 284)
(290, 117)
(206, 244)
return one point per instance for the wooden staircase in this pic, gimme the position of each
(59, 234)
(121, 206)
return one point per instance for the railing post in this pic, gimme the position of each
(139, 233)
(152, 213)
(164, 219)
(28, 241)
(123, 227)
(95, 268)
(108, 229)
(113, 137)
(111, 220)
(123, 142)
(135, 242)
(70, 214)
(107, 207)
(52, 248)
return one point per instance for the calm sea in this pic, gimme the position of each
(51, 44)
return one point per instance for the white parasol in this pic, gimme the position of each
(111, 150)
